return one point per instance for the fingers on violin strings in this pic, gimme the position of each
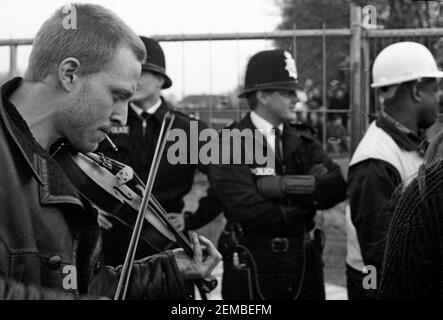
(103, 222)
(209, 246)
(213, 255)
(198, 255)
(101, 212)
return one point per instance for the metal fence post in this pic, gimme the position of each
(324, 84)
(294, 41)
(13, 69)
(210, 84)
(366, 88)
(183, 68)
(239, 84)
(357, 113)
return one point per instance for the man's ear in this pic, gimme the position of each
(262, 97)
(161, 81)
(416, 93)
(68, 73)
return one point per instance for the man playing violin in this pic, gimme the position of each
(77, 86)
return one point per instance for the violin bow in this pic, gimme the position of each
(204, 285)
(123, 282)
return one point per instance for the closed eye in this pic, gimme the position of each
(121, 95)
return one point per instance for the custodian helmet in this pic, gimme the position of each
(155, 60)
(272, 69)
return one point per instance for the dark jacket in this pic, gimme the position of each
(413, 258)
(173, 180)
(371, 186)
(235, 184)
(50, 243)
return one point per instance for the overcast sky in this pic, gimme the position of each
(187, 64)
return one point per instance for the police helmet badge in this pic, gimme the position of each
(290, 65)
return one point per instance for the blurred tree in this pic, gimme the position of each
(309, 14)
(398, 14)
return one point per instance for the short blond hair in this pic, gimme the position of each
(97, 36)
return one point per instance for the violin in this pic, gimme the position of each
(111, 186)
(115, 189)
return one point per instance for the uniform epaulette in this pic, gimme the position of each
(188, 117)
(181, 113)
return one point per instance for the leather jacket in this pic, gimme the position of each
(50, 242)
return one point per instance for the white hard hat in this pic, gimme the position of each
(401, 62)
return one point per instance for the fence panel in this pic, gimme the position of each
(338, 102)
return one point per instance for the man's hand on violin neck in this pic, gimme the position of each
(103, 222)
(200, 266)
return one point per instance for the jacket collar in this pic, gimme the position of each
(54, 185)
(6, 91)
(292, 140)
(403, 137)
(151, 109)
(262, 123)
(159, 114)
(289, 134)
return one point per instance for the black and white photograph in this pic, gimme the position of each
(221, 157)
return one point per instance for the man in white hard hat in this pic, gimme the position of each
(405, 76)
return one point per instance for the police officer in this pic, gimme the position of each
(269, 247)
(136, 144)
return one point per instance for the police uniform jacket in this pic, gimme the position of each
(261, 217)
(173, 181)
